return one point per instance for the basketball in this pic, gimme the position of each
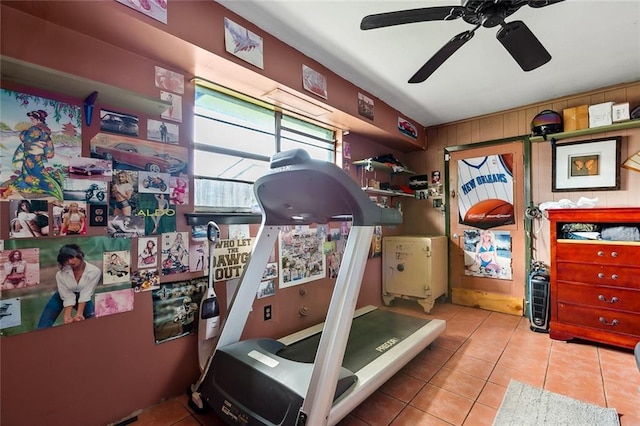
(489, 214)
(507, 161)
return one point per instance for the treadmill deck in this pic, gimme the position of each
(372, 334)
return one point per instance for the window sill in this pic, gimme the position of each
(203, 218)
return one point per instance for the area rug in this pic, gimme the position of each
(525, 405)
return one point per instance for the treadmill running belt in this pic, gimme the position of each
(371, 335)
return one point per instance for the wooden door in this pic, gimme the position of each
(487, 232)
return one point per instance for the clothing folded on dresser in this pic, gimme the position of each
(620, 233)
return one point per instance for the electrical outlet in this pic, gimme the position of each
(267, 312)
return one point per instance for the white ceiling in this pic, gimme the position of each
(593, 44)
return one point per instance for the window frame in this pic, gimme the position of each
(280, 128)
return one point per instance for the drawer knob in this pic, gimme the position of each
(614, 276)
(614, 254)
(604, 299)
(605, 322)
(600, 275)
(601, 253)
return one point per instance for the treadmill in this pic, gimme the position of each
(318, 375)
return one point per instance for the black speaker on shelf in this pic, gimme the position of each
(539, 300)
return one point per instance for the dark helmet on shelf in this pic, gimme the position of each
(546, 122)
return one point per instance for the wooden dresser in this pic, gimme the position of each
(595, 284)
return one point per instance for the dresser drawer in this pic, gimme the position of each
(600, 319)
(599, 297)
(598, 252)
(595, 274)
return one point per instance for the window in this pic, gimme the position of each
(234, 141)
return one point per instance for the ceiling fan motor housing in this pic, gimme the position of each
(489, 13)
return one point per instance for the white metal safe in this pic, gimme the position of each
(414, 267)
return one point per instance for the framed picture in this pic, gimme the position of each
(592, 165)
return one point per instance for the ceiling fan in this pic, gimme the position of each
(515, 36)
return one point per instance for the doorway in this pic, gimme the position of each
(487, 226)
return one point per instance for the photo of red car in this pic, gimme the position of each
(88, 169)
(407, 128)
(139, 156)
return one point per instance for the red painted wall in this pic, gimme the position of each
(100, 371)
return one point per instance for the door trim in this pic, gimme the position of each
(527, 199)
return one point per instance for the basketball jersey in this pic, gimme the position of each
(483, 178)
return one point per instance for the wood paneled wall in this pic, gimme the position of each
(516, 122)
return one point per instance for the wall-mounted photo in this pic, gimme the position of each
(145, 280)
(156, 9)
(10, 313)
(74, 218)
(90, 168)
(314, 82)
(163, 131)
(592, 165)
(153, 183)
(169, 80)
(28, 218)
(487, 254)
(175, 309)
(116, 267)
(123, 199)
(179, 190)
(174, 112)
(243, 43)
(407, 128)
(485, 191)
(20, 268)
(120, 226)
(136, 154)
(147, 252)
(301, 257)
(117, 122)
(114, 302)
(271, 271)
(266, 289)
(58, 299)
(365, 106)
(198, 252)
(158, 214)
(39, 136)
(84, 190)
(175, 252)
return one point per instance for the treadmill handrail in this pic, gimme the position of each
(300, 190)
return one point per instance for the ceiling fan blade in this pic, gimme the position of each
(523, 45)
(441, 55)
(387, 19)
(542, 3)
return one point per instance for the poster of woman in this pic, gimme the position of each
(40, 137)
(487, 253)
(74, 218)
(175, 252)
(29, 218)
(114, 302)
(20, 268)
(147, 252)
(116, 267)
(38, 306)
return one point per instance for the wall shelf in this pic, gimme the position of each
(375, 191)
(631, 124)
(33, 75)
(370, 165)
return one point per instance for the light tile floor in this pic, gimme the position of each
(461, 380)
